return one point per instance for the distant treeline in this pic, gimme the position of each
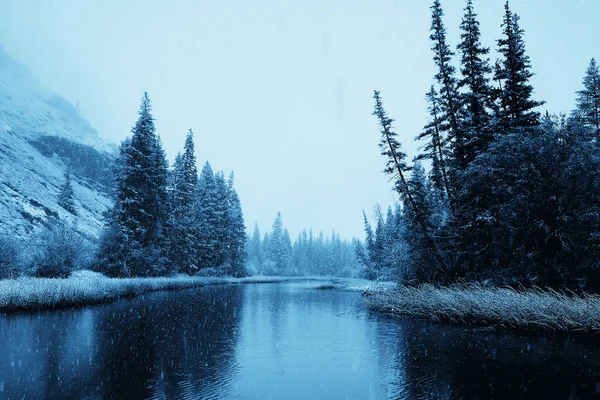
(167, 221)
(512, 197)
(275, 254)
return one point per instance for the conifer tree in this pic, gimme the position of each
(236, 232)
(65, 196)
(206, 218)
(450, 100)
(433, 147)
(396, 159)
(396, 167)
(160, 248)
(588, 99)
(390, 147)
(279, 247)
(140, 213)
(221, 224)
(477, 96)
(287, 255)
(380, 246)
(310, 250)
(367, 254)
(420, 245)
(267, 263)
(514, 72)
(185, 180)
(277, 244)
(255, 255)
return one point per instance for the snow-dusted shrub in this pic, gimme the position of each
(58, 252)
(10, 258)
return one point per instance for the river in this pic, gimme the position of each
(276, 341)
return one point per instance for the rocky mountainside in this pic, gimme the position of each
(41, 137)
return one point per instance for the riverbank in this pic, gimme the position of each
(87, 288)
(494, 308)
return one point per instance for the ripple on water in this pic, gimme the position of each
(275, 341)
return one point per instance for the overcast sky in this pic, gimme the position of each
(279, 91)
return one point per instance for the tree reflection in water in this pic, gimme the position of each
(279, 341)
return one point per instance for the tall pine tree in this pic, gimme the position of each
(236, 232)
(139, 218)
(396, 167)
(588, 99)
(450, 99)
(434, 148)
(477, 94)
(279, 247)
(513, 73)
(65, 196)
(207, 219)
(255, 252)
(183, 236)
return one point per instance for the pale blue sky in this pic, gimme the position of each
(279, 91)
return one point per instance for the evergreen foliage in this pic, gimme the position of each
(254, 250)
(170, 221)
(434, 149)
(588, 99)
(513, 74)
(236, 233)
(183, 187)
(65, 197)
(511, 198)
(275, 254)
(475, 81)
(450, 99)
(140, 214)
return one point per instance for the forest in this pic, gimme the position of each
(165, 220)
(309, 255)
(414, 214)
(499, 194)
(511, 196)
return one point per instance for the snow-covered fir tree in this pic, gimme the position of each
(513, 73)
(477, 95)
(66, 195)
(278, 248)
(434, 149)
(449, 97)
(183, 234)
(255, 251)
(325, 256)
(588, 99)
(135, 244)
(207, 218)
(521, 207)
(236, 234)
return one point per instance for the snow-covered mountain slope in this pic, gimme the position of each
(41, 135)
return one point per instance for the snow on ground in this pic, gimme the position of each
(504, 308)
(30, 110)
(29, 181)
(87, 287)
(362, 285)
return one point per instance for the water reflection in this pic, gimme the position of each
(174, 345)
(451, 362)
(276, 341)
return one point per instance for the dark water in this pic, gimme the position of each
(279, 341)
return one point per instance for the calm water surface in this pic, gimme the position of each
(279, 341)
